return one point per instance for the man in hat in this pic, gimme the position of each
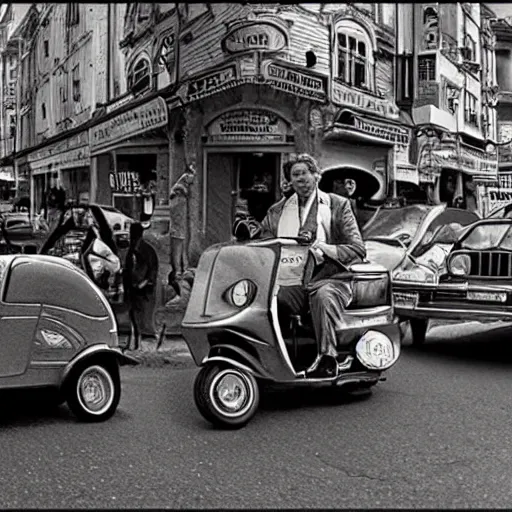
(328, 222)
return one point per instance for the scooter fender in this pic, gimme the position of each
(238, 358)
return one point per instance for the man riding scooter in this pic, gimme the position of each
(328, 223)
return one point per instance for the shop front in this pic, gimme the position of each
(456, 173)
(129, 157)
(62, 165)
(242, 127)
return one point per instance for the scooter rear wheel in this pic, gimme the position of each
(226, 396)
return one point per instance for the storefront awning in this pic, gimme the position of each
(353, 126)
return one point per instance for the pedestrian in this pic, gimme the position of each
(141, 272)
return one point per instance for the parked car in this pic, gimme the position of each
(17, 224)
(461, 274)
(393, 234)
(59, 332)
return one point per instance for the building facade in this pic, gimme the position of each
(247, 86)
(67, 69)
(453, 69)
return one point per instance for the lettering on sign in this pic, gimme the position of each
(296, 82)
(346, 96)
(211, 83)
(469, 161)
(256, 36)
(134, 122)
(58, 148)
(390, 133)
(498, 197)
(124, 182)
(248, 125)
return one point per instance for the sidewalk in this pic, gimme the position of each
(173, 352)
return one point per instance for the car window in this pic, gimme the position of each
(489, 236)
(453, 219)
(54, 285)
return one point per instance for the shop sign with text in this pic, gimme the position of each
(498, 197)
(135, 121)
(254, 36)
(248, 125)
(343, 95)
(295, 81)
(471, 162)
(126, 182)
(387, 132)
(408, 174)
(211, 83)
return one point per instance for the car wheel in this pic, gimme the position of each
(226, 396)
(93, 391)
(418, 331)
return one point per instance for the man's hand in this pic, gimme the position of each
(324, 249)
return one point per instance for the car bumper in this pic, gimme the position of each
(454, 307)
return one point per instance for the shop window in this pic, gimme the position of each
(404, 78)
(427, 68)
(451, 95)
(76, 83)
(470, 109)
(73, 14)
(354, 55)
(139, 77)
(13, 73)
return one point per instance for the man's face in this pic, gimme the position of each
(302, 179)
(350, 186)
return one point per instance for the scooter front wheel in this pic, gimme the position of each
(226, 396)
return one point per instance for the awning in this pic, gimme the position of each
(352, 126)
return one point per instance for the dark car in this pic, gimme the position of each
(462, 274)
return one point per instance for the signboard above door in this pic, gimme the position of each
(248, 125)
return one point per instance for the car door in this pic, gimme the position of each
(19, 316)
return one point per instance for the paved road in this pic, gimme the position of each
(436, 434)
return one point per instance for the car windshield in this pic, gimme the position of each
(391, 223)
(489, 236)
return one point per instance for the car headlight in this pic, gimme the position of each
(376, 351)
(242, 293)
(459, 265)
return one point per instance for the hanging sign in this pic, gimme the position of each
(248, 125)
(211, 83)
(343, 95)
(124, 182)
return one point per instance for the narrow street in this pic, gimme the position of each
(435, 434)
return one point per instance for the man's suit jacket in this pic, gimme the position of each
(342, 229)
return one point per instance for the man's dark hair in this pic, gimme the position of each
(136, 231)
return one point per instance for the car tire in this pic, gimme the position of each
(218, 410)
(418, 331)
(98, 402)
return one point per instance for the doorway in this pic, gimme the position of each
(252, 176)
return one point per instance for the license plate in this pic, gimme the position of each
(488, 296)
(405, 300)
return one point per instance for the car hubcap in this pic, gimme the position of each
(95, 390)
(231, 393)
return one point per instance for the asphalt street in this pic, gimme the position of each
(436, 434)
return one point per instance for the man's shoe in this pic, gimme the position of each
(324, 367)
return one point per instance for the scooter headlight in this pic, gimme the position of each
(459, 265)
(242, 293)
(376, 351)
